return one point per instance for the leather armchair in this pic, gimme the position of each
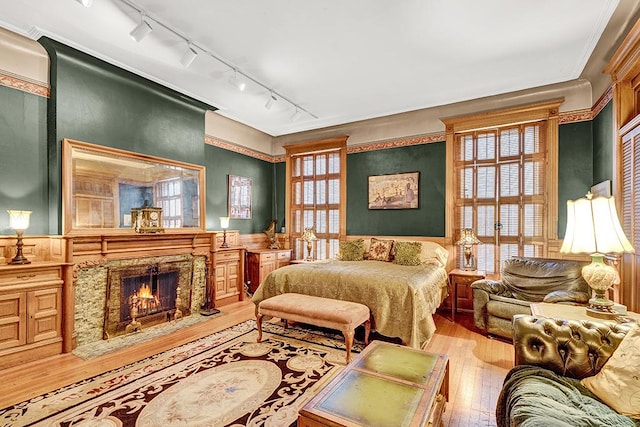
(524, 281)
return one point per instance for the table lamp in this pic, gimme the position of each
(467, 240)
(19, 221)
(308, 236)
(224, 224)
(593, 228)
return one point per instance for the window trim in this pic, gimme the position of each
(547, 110)
(316, 147)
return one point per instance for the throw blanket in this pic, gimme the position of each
(535, 397)
(401, 298)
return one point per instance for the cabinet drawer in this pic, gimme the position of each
(29, 276)
(284, 255)
(268, 257)
(228, 256)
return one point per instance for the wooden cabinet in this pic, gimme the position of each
(461, 293)
(228, 277)
(30, 312)
(261, 262)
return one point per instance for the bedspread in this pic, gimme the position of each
(402, 299)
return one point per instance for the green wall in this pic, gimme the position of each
(575, 166)
(603, 144)
(427, 220)
(279, 188)
(224, 163)
(23, 158)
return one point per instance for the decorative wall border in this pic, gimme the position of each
(24, 85)
(216, 142)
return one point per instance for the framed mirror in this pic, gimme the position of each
(103, 187)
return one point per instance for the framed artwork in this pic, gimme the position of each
(239, 197)
(602, 189)
(396, 191)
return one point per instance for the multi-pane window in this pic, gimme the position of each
(315, 202)
(169, 198)
(500, 185)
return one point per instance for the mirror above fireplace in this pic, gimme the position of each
(102, 185)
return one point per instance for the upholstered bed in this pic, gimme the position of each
(402, 298)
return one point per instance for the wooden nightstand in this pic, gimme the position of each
(462, 298)
(261, 262)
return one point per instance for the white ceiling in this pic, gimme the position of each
(340, 60)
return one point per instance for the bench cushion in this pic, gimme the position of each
(330, 313)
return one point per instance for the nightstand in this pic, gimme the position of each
(462, 298)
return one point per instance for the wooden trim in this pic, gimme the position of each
(315, 146)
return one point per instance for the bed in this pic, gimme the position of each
(402, 298)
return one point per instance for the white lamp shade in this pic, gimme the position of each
(593, 227)
(142, 30)
(224, 222)
(19, 220)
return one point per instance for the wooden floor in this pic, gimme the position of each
(477, 365)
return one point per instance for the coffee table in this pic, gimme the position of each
(385, 385)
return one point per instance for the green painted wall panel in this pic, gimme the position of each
(603, 145)
(575, 166)
(222, 163)
(427, 220)
(23, 158)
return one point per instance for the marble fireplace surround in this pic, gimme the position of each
(94, 256)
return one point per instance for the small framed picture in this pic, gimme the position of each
(602, 189)
(240, 197)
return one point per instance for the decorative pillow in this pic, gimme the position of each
(407, 253)
(380, 250)
(352, 250)
(618, 382)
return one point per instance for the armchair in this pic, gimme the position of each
(525, 281)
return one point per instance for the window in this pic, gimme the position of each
(502, 182)
(316, 196)
(169, 198)
(500, 174)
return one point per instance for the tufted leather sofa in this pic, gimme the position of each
(524, 281)
(570, 350)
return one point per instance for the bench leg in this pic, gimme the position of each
(367, 331)
(259, 324)
(348, 339)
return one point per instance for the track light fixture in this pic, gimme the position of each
(272, 100)
(142, 30)
(189, 56)
(85, 3)
(237, 82)
(296, 115)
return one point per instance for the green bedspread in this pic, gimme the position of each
(536, 397)
(402, 299)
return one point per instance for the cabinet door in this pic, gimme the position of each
(267, 266)
(233, 277)
(44, 314)
(221, 280)
(13, 319)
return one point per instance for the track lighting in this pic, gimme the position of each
(142, 30)
(272, 100)
(296, 115)
(85, 3)
(188, 57)
(237, 82)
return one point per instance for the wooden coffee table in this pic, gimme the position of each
(385, 385)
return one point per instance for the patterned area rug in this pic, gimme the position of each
(225, 379)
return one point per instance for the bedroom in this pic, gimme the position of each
(31, 183)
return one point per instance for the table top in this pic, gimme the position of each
(386, 384)
(574, 312)
(461, 272)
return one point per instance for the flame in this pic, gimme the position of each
(145, 292)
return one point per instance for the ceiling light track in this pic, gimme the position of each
(192, 53)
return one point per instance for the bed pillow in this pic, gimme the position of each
(407, 253)
(352, 250)
(380, 250)
(618, 382)
(433, 252)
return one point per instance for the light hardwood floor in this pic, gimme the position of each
(477, 365)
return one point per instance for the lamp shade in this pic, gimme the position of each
(467, 238)
(19, 220)
(224, 222)
(593, 227)
(308, 235)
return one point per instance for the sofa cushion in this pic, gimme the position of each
(618, 382)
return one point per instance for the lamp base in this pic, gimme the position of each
(19, 260)
(601, 313)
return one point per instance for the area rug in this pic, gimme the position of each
(225, 379)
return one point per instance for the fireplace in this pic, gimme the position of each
(145, 295)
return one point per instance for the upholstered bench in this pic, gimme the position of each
(344, 316)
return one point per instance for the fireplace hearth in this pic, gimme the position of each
(145, 295)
